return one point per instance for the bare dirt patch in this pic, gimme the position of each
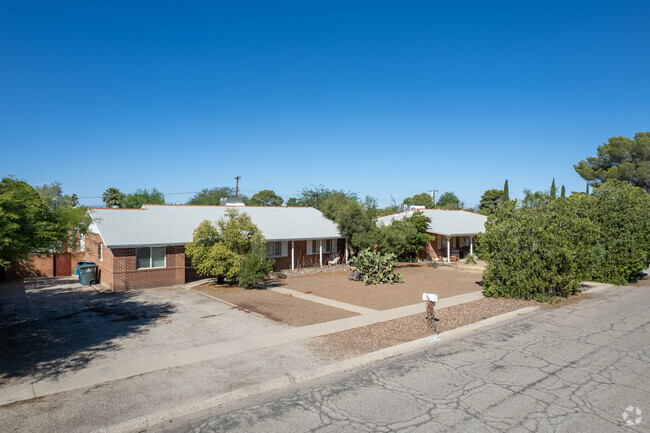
(445, 281)
(289, 310)
(355, 342)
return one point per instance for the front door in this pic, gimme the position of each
(62, 265)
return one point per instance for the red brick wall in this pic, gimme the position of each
(38, 265)
(127, 276)
(118, 269)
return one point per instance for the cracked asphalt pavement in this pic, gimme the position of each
(567, 369)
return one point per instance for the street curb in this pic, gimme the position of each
(598, 287)
(142, 423)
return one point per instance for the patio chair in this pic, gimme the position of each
(334, 261)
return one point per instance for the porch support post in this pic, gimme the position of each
(346, 251)
(471, 244)
(293, 256)
(448, 249)
(321, 253)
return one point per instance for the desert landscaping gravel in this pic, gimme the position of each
(275, 306)
(355, 342)
(445, 281)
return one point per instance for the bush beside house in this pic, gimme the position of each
(230, 250)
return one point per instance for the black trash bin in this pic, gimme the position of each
(87, 273)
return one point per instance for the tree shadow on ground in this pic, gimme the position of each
(52, 326)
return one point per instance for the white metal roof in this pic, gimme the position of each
(158, 225)
(445, 222)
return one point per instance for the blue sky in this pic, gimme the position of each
(383, 98)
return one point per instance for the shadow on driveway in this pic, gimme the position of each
(53, 326)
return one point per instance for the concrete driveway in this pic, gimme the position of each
(50, 327)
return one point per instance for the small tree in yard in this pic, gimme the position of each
(255, 268)
(222, 250)
(404, 237)
(377, 268)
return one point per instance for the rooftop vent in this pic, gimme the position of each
(404, 207)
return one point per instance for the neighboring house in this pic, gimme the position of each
(138, 248)
(46, 264)
(455, 231)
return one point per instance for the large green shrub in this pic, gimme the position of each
(36, 220)
(542, 248)
(622, 249)
(537, 250)
(255, 268)
(378, 268)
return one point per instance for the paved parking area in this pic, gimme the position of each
(50, 327)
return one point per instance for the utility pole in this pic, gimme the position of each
(433, 195)
(237, 185)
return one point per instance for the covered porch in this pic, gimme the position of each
(301, 253)
(450, 246)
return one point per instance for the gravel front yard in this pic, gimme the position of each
(355, 342)
(275, 306)
(445, 281)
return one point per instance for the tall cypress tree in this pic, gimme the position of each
(553, 190)
(563, 193)
(506, 192)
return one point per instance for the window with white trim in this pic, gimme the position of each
(150, 257)
(464, 241)
(276, 249)
(100, 251)
(329, 246)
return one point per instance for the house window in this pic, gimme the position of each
(150, 257)
(100, 251)
(82, 242)
(276, 249)
(464, 241)
(329, 246)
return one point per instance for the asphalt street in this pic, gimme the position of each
(583, 367)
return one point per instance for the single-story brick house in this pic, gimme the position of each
(455, 231)
(139, 248)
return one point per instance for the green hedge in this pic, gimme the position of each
(542, 247)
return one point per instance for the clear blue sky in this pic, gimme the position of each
(381, 97)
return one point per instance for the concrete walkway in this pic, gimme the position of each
(142, 365)
(324, 301)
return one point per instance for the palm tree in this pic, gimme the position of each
(112, 197)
